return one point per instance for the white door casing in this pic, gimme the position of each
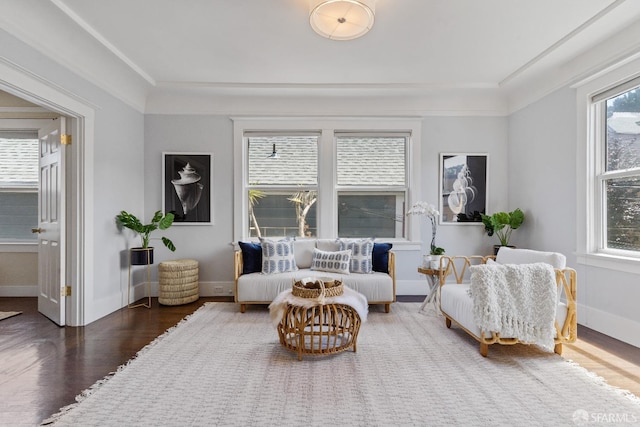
(51, 221)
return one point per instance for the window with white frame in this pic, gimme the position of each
(323, 181)
(371, 184)
(18, 185)
(617, 169)
(282, 187)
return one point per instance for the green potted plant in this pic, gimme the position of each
(502, 225)
(144, 254)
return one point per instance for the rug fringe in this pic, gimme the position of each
(597, 379)
(95, 386)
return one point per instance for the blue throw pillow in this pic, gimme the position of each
(251, 257)
(380, 257)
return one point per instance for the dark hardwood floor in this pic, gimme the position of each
(43, 367)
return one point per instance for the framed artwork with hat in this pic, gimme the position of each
(187, 187)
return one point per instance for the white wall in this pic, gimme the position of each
(211, 244)
(455, 135)
(465, 135)
(543, 182)
(542, 173)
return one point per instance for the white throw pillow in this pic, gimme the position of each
(529, 256)
(328, 245)
(361, 251)
(278, 256)
(303, 250)
(333, 262)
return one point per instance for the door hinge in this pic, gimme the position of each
(65, 139)
(65, 291)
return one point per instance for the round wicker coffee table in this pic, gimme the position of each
(321, 329)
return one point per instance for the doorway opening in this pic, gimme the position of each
(78, 213)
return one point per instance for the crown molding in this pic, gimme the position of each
(43, 30)
(449, 102)
(550, 75)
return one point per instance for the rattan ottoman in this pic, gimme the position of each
(178, 282)
(322, 329)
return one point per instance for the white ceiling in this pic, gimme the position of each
(203, 49)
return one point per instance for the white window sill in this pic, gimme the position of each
(19, 246)
(401, 245)
(611, 262)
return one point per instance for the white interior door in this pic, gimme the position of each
(51, 262)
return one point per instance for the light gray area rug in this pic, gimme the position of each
(222, 367)
(8, 314)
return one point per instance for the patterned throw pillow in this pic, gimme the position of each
(277, 256)
(333, 262)
(361, 250)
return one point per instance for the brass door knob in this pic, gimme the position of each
(36, 230)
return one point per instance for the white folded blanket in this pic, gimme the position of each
(349, 297)
(516, 301)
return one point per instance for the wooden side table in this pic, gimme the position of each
(433, 280)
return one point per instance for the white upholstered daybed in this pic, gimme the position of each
(254, 287)
(457, 304)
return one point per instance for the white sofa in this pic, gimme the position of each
(456, 302)
(258, 288)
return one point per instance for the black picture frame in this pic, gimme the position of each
(187, 187)
(463, 187)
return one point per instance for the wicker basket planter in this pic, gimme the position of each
(314, 287)
(178, 282)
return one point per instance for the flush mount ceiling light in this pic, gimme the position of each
(341, 19)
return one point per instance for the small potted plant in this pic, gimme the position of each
(144, 254)
(502, 225)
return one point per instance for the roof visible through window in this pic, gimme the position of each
(18, 161)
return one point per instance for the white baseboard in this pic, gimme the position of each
(19, 291)
(411, 287)
(617, 327)
(206, 289)
(214, 289)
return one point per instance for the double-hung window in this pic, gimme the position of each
(317, 178)
(617, 169)
(371, 184)
(282, 185)
(18, 185)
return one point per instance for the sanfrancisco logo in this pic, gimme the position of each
(582, 417)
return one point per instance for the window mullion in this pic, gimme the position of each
(327, 196)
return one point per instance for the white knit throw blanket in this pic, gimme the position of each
(349, 297)
(516, 301)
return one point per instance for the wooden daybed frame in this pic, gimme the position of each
(238, 267)
(456, 267)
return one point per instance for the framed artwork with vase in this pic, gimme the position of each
(187, 187)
